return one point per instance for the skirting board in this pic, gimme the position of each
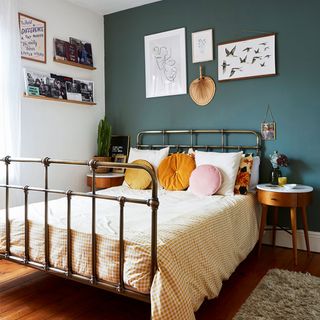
(283, 239)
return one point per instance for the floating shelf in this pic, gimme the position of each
(60, 100)
(74, 64)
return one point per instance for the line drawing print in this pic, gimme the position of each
(165, 63)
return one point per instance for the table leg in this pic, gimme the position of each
(305, 227)
(275, 223)
(293, 213)
(262, 225)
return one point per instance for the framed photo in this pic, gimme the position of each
(248, 58)
(120, 158)
(165, 63)
(119, 145)
(202, 47)
(268, 130)
(32, 38)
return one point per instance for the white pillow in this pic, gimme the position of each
(152, 156)
(228, 164)
(254, 180)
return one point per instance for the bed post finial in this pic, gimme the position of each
(7, 159)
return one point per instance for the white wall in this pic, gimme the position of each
(56, 129)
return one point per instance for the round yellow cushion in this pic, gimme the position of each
(174, 171)
(138, 178)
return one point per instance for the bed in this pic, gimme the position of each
(175, 257)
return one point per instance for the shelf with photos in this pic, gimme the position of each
(76, 53)
(53, 87)
(60, 100)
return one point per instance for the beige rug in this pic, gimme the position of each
(283, 294)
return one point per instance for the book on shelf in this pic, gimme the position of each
(84, 51)
(60, 49)
(80, 90)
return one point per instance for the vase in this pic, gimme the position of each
(275, 174)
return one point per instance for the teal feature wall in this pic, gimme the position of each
(293, 94)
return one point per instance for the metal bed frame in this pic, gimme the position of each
(153, 203)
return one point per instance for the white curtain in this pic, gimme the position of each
(10, 86)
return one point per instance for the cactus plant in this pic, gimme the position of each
(104, 138)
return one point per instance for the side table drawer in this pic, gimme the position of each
(278, 199)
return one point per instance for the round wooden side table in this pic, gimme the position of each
(105, 180)
(276, 196)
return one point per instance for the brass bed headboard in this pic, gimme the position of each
(193, 140)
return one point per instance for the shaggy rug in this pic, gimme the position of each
(283, 294)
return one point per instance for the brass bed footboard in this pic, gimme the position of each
(119, 288)
(222, 143)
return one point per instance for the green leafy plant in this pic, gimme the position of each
(104, 138)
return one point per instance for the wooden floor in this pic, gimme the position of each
(29, 294)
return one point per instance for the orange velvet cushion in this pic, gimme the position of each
(138, 178)
(174, 171)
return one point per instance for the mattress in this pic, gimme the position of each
(201, 240)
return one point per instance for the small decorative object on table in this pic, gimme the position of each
(119, 158)
(277, 160)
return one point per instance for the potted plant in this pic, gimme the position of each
(103, 143)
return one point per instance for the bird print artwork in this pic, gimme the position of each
(243, 60)
(224, 66)
(231, 52)
(247, 58)
(233, 71)
(255, 58)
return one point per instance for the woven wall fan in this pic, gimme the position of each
(202, 89)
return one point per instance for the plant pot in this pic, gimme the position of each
(102, 159)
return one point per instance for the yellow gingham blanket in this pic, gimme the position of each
(201, 240)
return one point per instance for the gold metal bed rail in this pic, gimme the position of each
(153, 203)
(193, 135)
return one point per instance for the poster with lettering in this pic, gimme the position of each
(32, 38)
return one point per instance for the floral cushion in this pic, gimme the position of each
(244, 174)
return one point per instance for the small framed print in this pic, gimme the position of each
(32, 38)
(119, 158)
(202, 47)
(268, 130)
(119, 145)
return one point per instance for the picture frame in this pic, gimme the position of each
(32, 38)
(268, 130)
(202, 46)
(119, 158)
(165, 63)
(119, 145)
(253, 57)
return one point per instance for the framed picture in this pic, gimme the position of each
(120, 158)
(119, 145)
(268, 130)
(202, 47)
(248, 58)
(32, 38)
(165, 63)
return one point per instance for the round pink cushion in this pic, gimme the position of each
(205, 180)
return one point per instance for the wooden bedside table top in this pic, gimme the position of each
(106, 175)
(300, 188)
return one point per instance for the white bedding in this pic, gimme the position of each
(201, 240)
